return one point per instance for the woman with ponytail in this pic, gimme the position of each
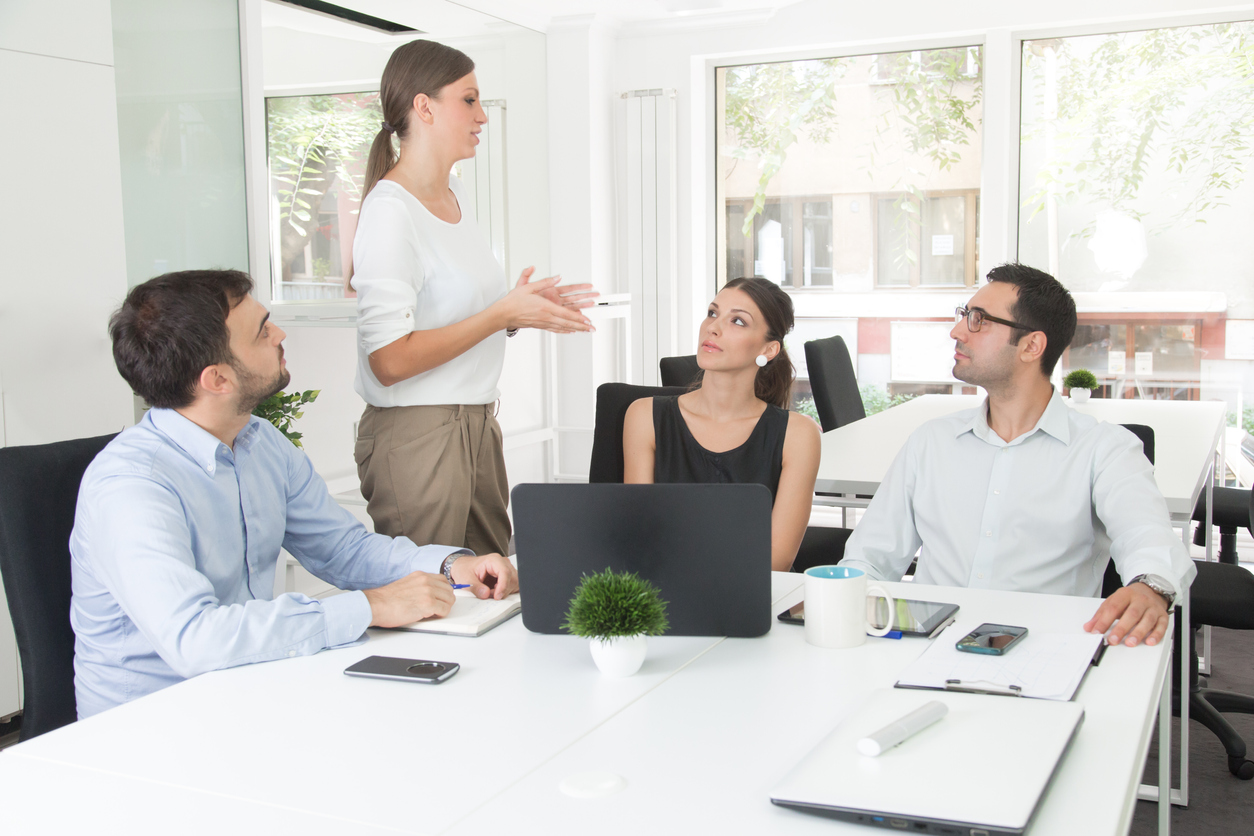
(734, 425)
(433, 311)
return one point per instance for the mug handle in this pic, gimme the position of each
(879, 592)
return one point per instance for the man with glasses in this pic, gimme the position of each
(1024, 493)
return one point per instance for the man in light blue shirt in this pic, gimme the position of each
(181, 517)
(1024, 493)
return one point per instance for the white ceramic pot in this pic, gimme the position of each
(1080, 395)
(620, 656)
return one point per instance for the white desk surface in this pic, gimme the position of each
(855, 457)
(701, 734)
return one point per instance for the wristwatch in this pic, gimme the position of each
(447, 566)
(1159, 584)
(509, 332)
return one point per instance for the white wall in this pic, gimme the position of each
(65, 265)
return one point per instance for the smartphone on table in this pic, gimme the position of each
(393, 667)
(992, 639)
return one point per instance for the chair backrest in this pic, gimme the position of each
(834, 383)
(607, 438)
(679, 371)
(1111, 580)
(38, 492)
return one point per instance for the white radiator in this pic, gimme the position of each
(645, 178)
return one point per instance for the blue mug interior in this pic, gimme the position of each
(834, 572)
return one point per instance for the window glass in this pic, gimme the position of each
(316, 152)
(1134, 192)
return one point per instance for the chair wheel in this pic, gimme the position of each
(1241, 768)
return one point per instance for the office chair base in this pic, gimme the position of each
(1205, 707)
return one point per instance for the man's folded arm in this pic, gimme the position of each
(139, 545)
(1129, 504)
(334, 546)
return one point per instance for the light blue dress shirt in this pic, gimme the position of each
(175, 544)
(1043, 512)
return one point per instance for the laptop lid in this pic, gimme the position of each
(981, 769)
(707, 548)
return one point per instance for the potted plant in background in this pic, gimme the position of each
(616, 612)
(281, 409)
(1081, 382)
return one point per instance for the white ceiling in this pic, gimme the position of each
(468, 17)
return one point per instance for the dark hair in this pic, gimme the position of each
(773, 382)
(416, 67)
(1043, 305)
(171, 327)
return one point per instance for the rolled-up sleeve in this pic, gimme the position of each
(887, 538)
(387, 274)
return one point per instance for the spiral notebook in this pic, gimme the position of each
(470, 616)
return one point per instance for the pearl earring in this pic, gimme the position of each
(761, 360)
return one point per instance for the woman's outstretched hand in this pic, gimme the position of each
(542, 304)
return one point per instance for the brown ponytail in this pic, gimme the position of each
(773, 383)
(416, 67)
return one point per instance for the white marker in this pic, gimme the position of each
(901, 730)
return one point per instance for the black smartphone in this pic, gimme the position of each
(992, 639)
(913, 618)
(414, 670)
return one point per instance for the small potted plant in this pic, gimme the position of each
(1081, 382)
(615, 612)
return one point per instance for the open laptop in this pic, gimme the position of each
(980, 771)
(707, 548)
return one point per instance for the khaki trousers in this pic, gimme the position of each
(435, 474)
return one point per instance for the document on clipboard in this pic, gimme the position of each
(1047, 666)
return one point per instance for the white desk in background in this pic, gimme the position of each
(1187, 435)
(700, 734)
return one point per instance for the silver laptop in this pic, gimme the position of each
(979, 771)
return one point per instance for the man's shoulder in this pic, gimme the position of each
(945, 428)
(134, 452)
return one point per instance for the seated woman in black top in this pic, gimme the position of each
(735, 426)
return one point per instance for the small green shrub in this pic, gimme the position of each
(805, 405)
(1247, 419)
(281, 409)
(609, 604)
(1080, 379)
(876, 398)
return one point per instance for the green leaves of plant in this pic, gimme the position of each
(609, 604)
(282, 408)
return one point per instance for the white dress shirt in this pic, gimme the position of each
(415, 272)
(1041, 513)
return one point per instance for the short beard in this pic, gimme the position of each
(253, 388)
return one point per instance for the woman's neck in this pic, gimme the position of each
(725, 396)
(423, 172)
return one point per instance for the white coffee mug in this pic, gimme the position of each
(836, 607)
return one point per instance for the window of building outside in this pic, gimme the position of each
(1134, 192)
(316, 153)
(855, 177)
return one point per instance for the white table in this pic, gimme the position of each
(700, 733)
(1187, 435)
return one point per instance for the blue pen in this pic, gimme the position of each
(465, 585)
(892, 634)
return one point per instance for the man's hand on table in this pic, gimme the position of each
(489, 575)
(414, 597)
(1140, 611)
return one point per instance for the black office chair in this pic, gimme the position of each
(1232, 511)
(679, 371)
(834, 383)
(819, 547)
(1222, 595)
(38, 492)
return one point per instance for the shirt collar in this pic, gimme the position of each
(1055, 421)
(199, 444)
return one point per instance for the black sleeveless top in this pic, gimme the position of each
(679, 458)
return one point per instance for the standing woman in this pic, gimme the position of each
(735, 425)
(433, 311)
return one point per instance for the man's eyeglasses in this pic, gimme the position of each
(975, 318)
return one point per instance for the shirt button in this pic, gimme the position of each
(981, 575)
(293, 652)
(988, 534)
(996, 493)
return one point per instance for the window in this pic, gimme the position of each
(316, 152)
(1134, 192)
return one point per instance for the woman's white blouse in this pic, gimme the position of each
(415, 272)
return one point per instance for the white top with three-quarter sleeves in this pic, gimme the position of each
(415, 272)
